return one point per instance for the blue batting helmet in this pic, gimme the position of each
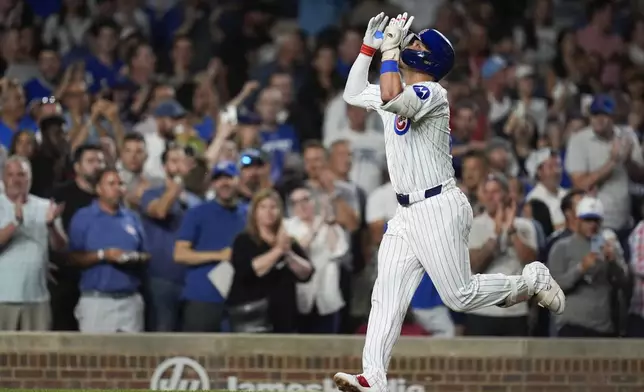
(437, 60)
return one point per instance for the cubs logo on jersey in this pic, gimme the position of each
(401, 125)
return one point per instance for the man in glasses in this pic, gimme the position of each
(254, 173)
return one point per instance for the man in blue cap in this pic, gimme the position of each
(255, 173)
(167, 115)
(204, 244)
(604, 158)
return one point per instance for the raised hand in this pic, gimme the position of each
(395, 32)
(374, 35)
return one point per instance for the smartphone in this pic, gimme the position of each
(596, 243)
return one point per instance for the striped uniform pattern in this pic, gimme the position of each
(430, 235)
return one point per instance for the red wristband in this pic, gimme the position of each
(368, 50)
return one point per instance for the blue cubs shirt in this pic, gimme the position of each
(36, 89)
(101, 75)
(279, 144)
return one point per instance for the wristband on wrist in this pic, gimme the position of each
(367, 50)
(389, 66)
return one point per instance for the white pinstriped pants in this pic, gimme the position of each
(431, 235)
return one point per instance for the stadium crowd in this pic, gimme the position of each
(190, 165)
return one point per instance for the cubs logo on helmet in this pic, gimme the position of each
(401, 125)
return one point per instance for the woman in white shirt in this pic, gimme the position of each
(68, 28)
(320, 299)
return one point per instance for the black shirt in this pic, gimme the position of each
(278, 285)
(74, 199)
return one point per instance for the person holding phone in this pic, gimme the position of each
(588, 265)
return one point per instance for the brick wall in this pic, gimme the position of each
(303, 364)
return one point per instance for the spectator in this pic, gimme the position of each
(12, 112)
(636, 310)
(49, 67)
(367, 149)
(603, 158)
(52, 162)
(636, 45)
(130, 166)
(328, 190)
(167, 116)
(463, 126)
(107, 241)
(181, 61)
(319, 88)
(254, 173)
(27, 231)
(528, 104)
(204, 244)
(544, 166)
(500, 242)
(279, 140)
(74, 195)
(268, 264)
(494, 75)
(323, 240)
(162, 209)
(475, 170)
(586, 265)
(141, 64)
(103, 67)
(23, 144)
(68, 28)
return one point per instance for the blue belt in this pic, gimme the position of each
(403, 200)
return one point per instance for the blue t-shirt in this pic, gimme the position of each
(426, 296)
(279, 144)
(100, 75)
(206, 128)
(161, 235)
(6, 133)
(36, 89)
(208, 227)
(92, 229)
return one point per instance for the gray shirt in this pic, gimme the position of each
(587, 295)
(586, 153)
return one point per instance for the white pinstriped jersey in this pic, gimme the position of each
(417, 137)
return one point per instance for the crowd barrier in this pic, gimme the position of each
(306, 363)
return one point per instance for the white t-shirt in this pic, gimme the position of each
(507, 262)
(153, 167)
(381, 204)
(368, 156)
(552, 201)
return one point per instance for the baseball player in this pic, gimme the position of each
(431, 227)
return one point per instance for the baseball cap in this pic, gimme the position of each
(252, 156)
(225, 168)
(523, 71)
(536, 159)
(590, 208)
(492, 66)
(602, 104)
(170, 108)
